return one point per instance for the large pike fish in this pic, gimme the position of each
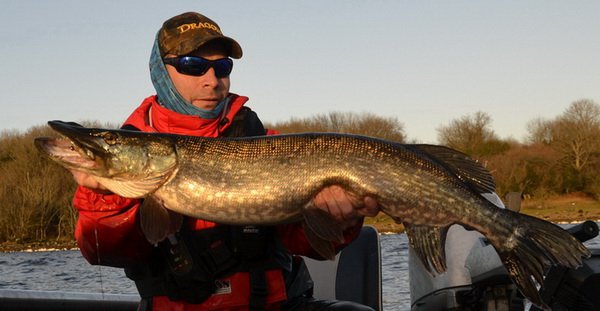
(272, 179)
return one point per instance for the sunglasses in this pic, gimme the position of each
(197, 66)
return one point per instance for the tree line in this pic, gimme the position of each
(560, 155)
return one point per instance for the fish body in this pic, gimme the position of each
(272, 180)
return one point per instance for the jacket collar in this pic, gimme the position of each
(152, 117)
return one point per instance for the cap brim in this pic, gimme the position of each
(234, 50)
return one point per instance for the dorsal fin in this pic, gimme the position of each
(464, 167)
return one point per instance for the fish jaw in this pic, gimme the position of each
(69, 155)
(131, 164)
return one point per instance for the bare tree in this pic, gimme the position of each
(367, 124)
(540, 131)
(471, 134)
(576, 133)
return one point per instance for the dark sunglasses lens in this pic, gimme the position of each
(193, 66)
(222, 67)
(197, 66)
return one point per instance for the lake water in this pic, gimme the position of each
(68, 271)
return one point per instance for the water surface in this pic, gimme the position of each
(68, 271)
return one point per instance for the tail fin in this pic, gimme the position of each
(533, 246)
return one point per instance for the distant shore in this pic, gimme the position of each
(564, 209)
(39, 246)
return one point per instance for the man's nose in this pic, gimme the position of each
(209, 79)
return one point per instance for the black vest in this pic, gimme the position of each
(185, 267)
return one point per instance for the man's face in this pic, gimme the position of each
(202, 91)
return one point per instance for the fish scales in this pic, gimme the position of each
(272, 180)
(256, 173)
(260, 176)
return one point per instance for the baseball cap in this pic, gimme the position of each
(184, 33)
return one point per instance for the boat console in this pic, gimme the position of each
(476, 279)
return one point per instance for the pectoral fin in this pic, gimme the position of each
(321, 230)
(429, 244)
(323, 247)
(157, 222)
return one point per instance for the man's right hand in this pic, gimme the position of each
(89, 181)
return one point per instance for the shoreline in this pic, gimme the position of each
(34, 247)
(383, 226)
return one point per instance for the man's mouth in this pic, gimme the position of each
(207, 103)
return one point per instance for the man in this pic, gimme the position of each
(205, 266)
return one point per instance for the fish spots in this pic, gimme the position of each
(251, 211)
(189, 189)
(285, 161)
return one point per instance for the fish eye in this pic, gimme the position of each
(110, 138)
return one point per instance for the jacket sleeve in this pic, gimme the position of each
(293, 238)
(107, 229)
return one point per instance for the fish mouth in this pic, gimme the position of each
(66, 152)
(76, 149)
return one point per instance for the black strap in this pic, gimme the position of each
(258, 290)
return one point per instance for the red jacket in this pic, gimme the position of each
(107, 229)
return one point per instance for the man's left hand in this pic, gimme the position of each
(345, 209)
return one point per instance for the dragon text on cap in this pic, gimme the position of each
(185, 27)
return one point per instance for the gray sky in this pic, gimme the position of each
(424, 62)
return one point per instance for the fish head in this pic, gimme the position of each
(116, 158)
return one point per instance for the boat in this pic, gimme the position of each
(475, 280)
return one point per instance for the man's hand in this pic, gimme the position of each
(89, 181)
(343, 208)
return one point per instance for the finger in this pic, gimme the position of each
(78, 176)
(324, 201)
(345, 206)
(88, 181)
(370, 207)
(331, 199)
(84, 179)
